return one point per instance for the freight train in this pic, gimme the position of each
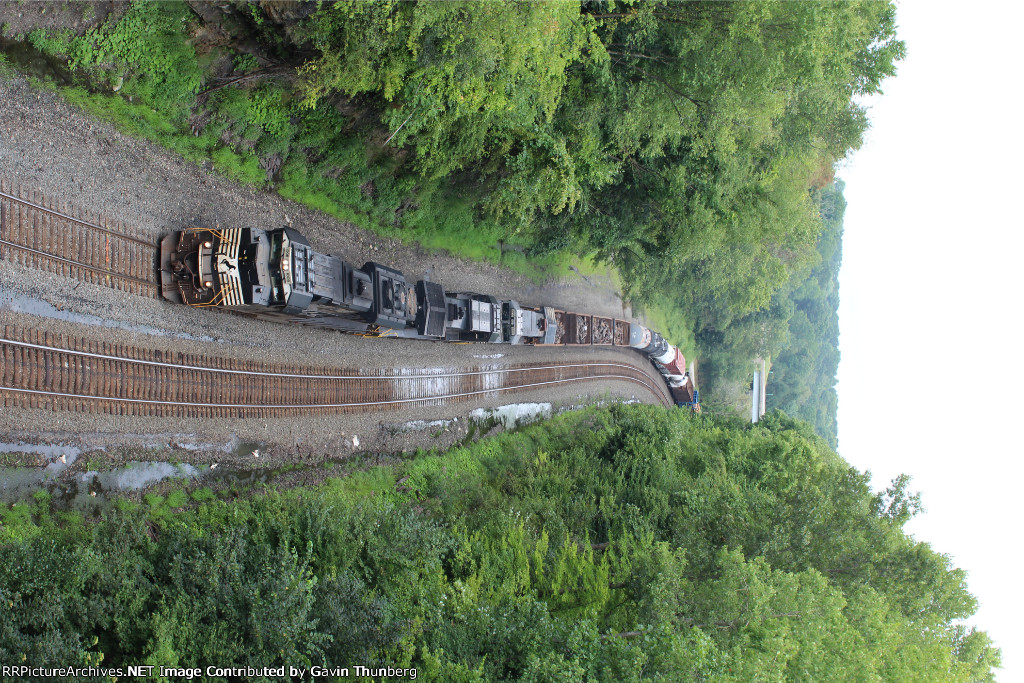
(276, 274)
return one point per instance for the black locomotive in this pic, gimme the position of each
(276, 274)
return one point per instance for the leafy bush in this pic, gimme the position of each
(145, 54)
(630, 543)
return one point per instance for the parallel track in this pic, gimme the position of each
(42, 370)
(72, 243)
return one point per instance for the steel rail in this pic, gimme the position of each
(69, 217)
(139, 379)
(79, 264)
(264, 373)
(311, 406)
(80, 247)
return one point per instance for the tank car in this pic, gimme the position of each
(639, 336)
(657, 347)
(673, 369)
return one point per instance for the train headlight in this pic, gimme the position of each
(208, 283)
(207, 244)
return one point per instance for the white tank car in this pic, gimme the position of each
(639, 336)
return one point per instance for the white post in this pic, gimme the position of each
(755, 398)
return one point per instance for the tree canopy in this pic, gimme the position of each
(804, 368)
(629, 543)
(681, 135)
(686, 143)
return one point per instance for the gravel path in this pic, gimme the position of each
(48, 145)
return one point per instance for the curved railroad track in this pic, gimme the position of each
(42, 370)
(63, 240)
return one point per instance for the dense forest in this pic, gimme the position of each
(629, 543)
(804, 371)
(684, 143)
(692, 146)
(798, 331)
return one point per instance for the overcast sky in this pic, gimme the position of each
(931, 381)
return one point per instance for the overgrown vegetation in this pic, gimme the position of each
(804, 371)
(681, 142)
(623, 544)
(799, 331)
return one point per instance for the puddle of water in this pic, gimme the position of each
(135, 476)
(34, 62)
(17, 483)
(88, 491)
(60, 457)
(238, 447)
(92, 491)
(513, 415)
(50, 452)
(19, 303)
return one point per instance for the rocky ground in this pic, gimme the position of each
(48, 146)
(19, 16)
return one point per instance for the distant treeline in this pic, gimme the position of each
(798, 331)
(804, 371)
(626, 544)
(681, 142)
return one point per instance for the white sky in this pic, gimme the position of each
(930, 382)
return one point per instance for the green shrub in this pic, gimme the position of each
(626, 543)
(177, 499)
(202, 495)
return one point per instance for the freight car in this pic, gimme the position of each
(276, 274)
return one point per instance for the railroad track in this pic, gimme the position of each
(39, 369)
(60, 239)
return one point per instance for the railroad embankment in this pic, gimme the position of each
(61, 160)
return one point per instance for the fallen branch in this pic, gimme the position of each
(399, 128)
(269, 71)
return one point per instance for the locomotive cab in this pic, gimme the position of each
(473, 318)
(215, 267)
(291, 275)
(520, 325)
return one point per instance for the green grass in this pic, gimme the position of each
(96, 464)
(668, 320)
(177, 499)
(202, 495)
(419, 473)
